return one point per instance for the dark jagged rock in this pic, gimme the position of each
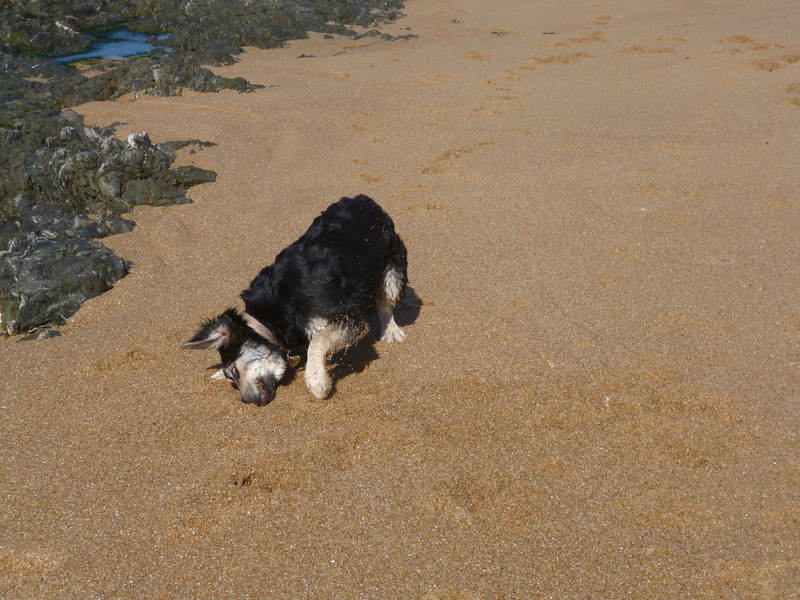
(58, 27)
(43, 334)
(66, 168)
(64, 184)
(44, 278)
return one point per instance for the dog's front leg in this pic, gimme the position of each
(390, 332)
(323, 344)
(393, 285)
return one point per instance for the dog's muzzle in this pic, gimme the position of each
(261, 392)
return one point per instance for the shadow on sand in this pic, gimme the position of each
(358, 357)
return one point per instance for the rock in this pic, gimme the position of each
(44, 281)
(61, 194)
(43, 334)
(64, 184)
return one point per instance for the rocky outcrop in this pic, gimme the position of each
(64, 185)
(58, 193)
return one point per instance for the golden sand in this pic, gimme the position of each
(598, 393)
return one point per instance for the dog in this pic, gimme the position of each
(312, 301)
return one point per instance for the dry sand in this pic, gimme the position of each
(598, 394)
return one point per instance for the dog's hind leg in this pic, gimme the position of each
(393, 285)
(324, 343)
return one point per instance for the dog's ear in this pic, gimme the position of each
(220, 332)
(259, 328)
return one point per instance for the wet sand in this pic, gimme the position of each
(598, 393)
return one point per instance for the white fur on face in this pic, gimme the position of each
(256, 371)
(257, 361)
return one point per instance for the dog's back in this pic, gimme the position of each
(334, 272)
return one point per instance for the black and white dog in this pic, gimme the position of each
(313, 300)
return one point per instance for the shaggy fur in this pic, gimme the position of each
(313, 300)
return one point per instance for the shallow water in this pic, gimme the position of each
(114, 43)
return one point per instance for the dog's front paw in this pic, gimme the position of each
(393, 334)
(318, 383)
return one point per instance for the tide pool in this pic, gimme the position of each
(113, 43)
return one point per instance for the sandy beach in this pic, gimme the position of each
(598, 395)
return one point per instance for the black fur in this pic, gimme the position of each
(348, 263)
(334, 271)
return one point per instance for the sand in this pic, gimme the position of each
(598, 393)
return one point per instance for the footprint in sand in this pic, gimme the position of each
(592, 37)
(506, 77)
(430, 115)
(567, 147)
(535, 62)
(766, 57)
(768, 64)
(413, 191)
(477, 56)
(648, 50)
(286, 471)
(372, 177)
(423, 206)
(429, 78)
(772, 57)
(501, 494)
(447, 161)
(783, 203)
(125, 361)
(654, 190)
(745, 42)
(499, 105)
(363, 122)
(713, 188)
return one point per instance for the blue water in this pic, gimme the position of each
(114, 43)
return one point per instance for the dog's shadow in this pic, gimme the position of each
(358, 357)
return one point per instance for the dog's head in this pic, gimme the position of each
(253, 364)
